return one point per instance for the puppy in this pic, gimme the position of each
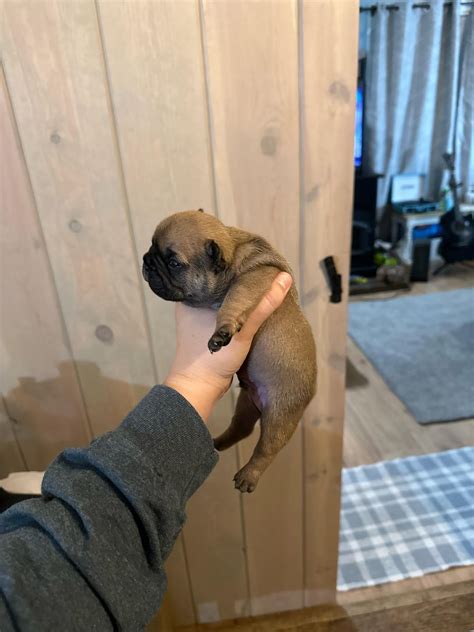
(195, 259)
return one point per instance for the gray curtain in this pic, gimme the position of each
(419, 92)
(464, 137)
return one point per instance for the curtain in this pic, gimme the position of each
(464, 134)
(419, 92)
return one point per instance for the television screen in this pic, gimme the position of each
(359, 125)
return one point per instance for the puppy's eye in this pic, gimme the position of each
(174, 264)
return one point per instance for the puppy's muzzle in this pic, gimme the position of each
(149, 269)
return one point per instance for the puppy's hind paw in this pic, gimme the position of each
(245, 481)
(219, 339)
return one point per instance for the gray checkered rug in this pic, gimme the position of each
(407, 517)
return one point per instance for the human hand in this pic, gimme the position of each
(201, 377)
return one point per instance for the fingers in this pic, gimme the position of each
(269, 303)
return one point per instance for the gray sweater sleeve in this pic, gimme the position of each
(88, 555)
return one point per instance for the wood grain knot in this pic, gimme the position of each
(313, 193)
(269, 144)
(75, 226)
(337, 361)
(104, 334)
(310, 296)
(340, 91)
(55, 138)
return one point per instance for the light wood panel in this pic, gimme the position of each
(180, 598)
(162, 125)
(251, 50)
(37, 375)
(214, 538)
(11, 459)
(163, 131)
(54, 67)
(128, 111)
(329, 73)
(252, 65)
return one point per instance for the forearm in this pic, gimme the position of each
(89, 554)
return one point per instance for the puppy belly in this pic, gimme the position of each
(257, 392)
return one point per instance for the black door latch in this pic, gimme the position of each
(334, 279)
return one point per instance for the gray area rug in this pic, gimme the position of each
(423, 346)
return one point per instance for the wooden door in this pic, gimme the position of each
(116, 114)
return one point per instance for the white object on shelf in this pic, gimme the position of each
(406, 187)
(408, 223)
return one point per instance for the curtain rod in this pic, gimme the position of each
(422, 5)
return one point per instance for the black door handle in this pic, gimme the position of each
(334, 279)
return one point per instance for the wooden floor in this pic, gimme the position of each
(378, 427)
(444, 609)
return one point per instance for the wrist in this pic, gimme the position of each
(202, 394)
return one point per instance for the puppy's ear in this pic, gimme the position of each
(214, 253)
(201, 210)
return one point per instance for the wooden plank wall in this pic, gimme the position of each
(38, 378)
(327, 127)
(256, 155)
(114, 114)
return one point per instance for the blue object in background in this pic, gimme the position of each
(427, 232)
(359, 126)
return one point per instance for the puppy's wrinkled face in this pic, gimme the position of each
(186, 261)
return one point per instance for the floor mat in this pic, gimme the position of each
(406, 517)
(423, 346)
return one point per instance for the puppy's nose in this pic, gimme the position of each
(148, 261)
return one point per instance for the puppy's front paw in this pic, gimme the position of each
(220, 338)
(220, 442)
(246, 479)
